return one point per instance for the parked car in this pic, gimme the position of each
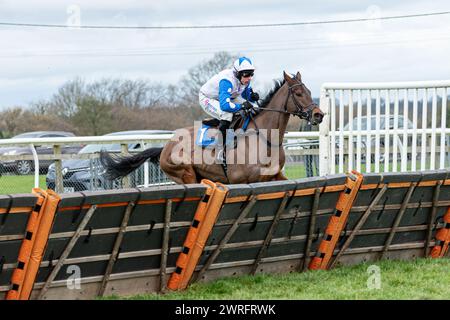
(87, 174)
(401, 125)
(23, 167)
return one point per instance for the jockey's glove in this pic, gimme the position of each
(254, 96)
(242, 113)
(247, 105)
(253, 112)
(247, 109)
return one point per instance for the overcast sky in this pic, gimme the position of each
(34, 62)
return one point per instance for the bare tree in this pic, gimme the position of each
(65, 102)
(10, 121)
(19, 120)
(105, 105)
(93, 117)
(202, 72)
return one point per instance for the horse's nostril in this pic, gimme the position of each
(318, 117)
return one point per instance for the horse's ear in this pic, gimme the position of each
(287, 77)
(298, 76)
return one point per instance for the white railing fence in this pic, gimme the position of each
(384, 127)
(302, 153)
(368, 127)
(90, 167)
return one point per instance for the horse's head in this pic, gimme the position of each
(299, 101)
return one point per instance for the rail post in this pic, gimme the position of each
(59, 186)
(324, 136)
(124, 151)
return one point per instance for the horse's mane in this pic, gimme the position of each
(276, 87)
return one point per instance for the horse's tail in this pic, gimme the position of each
(119, 166)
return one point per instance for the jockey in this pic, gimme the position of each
(226, 93)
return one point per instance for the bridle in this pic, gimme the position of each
(301, 112)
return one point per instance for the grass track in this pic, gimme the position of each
(415, 279)
(10, 184)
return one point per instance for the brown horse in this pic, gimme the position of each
(185, 162)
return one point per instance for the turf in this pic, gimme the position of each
(19, 184)
(415, 279)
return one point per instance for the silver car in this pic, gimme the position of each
(87, 174)
(22, 166)
(371, 145)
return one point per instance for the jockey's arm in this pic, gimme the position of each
(249, 95)
(226, 105)
(246, 93)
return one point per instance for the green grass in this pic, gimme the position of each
(381, 167)
(23, 184)
(19, 184)
(10, 184)
(414, 279)
(295, 171)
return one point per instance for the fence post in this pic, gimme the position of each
(324, 137)
(59, 187)
(124, 151)
(36, 165)
(146, 167)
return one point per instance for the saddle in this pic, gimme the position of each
(239, 125)
(204, 139)
(211, 122)
(214, 123)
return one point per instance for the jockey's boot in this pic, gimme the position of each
(221, 147)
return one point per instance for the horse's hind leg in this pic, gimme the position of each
(182, 175)
(189, 175)
(279, 176)
(179, 173)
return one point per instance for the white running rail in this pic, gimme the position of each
(354, 133)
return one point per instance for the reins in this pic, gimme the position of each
(306, 115)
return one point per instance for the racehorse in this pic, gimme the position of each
(289, 97)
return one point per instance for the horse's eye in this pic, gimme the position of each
(298, 93)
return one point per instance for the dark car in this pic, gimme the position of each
(87, 174)
(27, 166)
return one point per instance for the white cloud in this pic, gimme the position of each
(35, 62)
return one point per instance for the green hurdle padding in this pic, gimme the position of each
(395, 215)
(257, 244)
(128, 241)
(140, 251)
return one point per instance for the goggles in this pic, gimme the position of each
(247, 74)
